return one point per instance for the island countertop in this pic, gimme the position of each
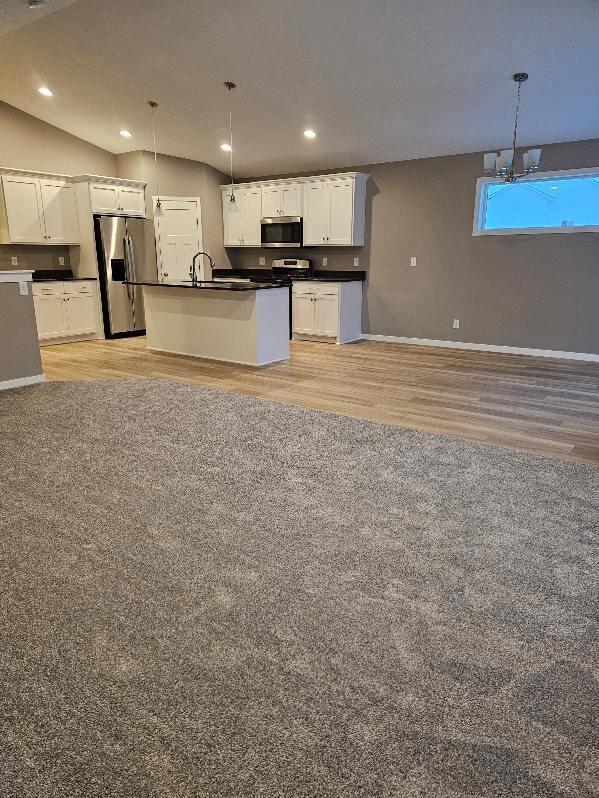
(207, 285)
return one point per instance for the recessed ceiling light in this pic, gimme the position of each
(310, 134)
(226, 147)
(125, 134)
(45, 91)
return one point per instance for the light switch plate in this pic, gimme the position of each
(325, 261)
(456, 324)
(356, 263)
(262, 261)
(413, 262)
(14, 261)
(23, 288)
(61, 261)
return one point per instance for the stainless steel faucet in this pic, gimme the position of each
(192, 271)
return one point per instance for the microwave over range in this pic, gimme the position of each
(282, 231)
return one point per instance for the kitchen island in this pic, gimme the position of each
(244, 323)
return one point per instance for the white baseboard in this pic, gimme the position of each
(21, 381)
(219, 359)
(509, 350)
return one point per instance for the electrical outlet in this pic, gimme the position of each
(61, 261)
(456, 324)
(262, 261)
(14, 261)
(325, 261)
(413, 262)
(23, 288)
(356, 263)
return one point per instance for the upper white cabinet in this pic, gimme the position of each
(333, 208)
(38, 210)
(334, 212)
(117, 199)
(241, 219)
(282, 200)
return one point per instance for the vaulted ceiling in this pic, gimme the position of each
(380, 80)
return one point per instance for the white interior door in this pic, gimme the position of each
(178, 237)
(341, 213)
(251, 214)
(60, 212)
(316, 214)
(23, 211)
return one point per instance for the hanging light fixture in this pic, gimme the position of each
(229, 85)
(153, 106)
(501, 166)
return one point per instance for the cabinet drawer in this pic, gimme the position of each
(78, 287)
(302, 288)
(47, 289)
(326, 289)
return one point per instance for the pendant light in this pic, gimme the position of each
(153, 106)
(229, 85)
(502, 166)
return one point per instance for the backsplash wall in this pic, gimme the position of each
(33, 257)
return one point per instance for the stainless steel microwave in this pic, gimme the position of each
(282, 231)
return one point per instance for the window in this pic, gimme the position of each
(552, 202)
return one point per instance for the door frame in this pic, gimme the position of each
(198, 203)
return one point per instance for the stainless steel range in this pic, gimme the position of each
(294, 268)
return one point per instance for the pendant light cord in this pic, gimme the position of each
(229, 85)
(514, 140)
(153, 106)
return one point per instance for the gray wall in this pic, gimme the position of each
(537, 291)
(19, 349)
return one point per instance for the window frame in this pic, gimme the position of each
(481, 203)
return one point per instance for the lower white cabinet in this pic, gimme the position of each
(65, 309)
(327, 311)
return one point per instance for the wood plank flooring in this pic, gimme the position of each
(534, 404)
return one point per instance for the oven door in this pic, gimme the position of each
(282, 231)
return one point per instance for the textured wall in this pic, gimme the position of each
(537, 291)
(19, 347)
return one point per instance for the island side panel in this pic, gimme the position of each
(272, 320)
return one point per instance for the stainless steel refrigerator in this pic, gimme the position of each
(124, 253)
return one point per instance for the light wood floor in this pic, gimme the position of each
(534, 404)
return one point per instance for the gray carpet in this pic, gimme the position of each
(204, 594)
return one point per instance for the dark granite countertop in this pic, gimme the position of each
(56, 276)
(319, 275)
(208, 285)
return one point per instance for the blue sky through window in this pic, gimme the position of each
(559, 202)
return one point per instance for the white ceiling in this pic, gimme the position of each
(380, 80)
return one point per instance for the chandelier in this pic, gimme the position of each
(501, 166)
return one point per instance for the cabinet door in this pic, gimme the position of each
(104, 199)
(251, 214)
(303, 313)
(60, 212)
(50, 316)
(131, 201)
(291, 200)
(23, 211)
(341, 213)
(271, 201)
(232, 218)
(316, 214)
(80, 314)
(326, 315)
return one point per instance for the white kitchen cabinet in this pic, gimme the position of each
(241, 219)
(60, 212)
(65, 309)
(333, 208)
(282, 200)
(37, 210)
(125, 200)
(327, 311)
